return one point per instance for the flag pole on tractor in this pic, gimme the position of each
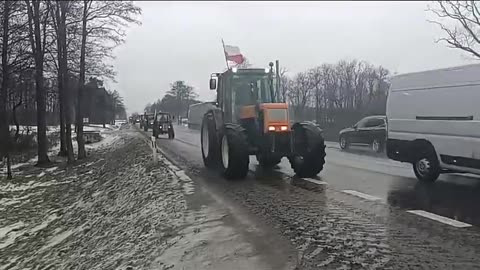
(225, 53)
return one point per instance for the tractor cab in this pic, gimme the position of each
(162, 124)
(248, 95)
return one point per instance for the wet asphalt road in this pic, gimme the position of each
(357, 216)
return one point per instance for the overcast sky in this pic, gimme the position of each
(182, 41)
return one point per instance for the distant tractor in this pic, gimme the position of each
(147, 121)
(248, 121)
(162, 124)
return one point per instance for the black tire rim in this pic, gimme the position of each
(423, 167)
(343, 142)
(376, 145)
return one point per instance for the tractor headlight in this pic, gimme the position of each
(271, 128)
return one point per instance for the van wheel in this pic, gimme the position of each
(377, 146)
(343, 142)
(426, 166)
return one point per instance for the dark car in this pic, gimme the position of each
(370, 131)
(162, 124)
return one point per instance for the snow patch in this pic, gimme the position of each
(30, 185)
(9, 233)
(11, 201)
(108, 139)
(57, 239)
(187, 184)
(51, 169)
(44, 224)
(41, 174)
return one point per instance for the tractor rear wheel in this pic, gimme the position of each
(209, 142)
(310, 150)
(234, 152)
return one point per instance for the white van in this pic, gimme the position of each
(196, 112)
(433, 121)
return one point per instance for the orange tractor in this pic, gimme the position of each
(248, 121)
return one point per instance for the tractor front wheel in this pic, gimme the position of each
(310, 153)
(209, 142)
(234, 152)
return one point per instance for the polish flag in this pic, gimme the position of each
(232, 53)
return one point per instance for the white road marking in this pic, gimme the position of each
(362, 195)
(315, 181)
(445, 220)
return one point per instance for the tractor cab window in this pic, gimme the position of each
(252, 89)
(162, 118)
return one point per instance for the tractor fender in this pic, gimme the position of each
(314, 132)
(217, 115)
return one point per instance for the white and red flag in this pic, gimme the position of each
(233, 54)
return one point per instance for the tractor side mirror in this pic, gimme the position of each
(213, 84)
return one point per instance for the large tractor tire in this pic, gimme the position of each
(209, 142)
(234, 154)
(171, 133)
(309, 148)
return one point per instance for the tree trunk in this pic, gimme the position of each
(63, 143)
(9, 167)
(4, 128)
(81, 143)
(15, 120)
(63, 75)
(36, 43)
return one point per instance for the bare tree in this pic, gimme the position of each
(316, 78)
(299, 94)
(60, 10)
(460, 21)
(4, 127)
(285, 84)
(38, 15)
(102, 25)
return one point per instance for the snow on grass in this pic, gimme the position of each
(14, 200)
(9, 233)
(41, 174)
(60, 237)
(9, 187)
(108, 140)
(51, 169)
(44, 224)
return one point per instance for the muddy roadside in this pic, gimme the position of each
(120, 210)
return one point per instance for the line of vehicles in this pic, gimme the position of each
(159, 122)
(432, 122)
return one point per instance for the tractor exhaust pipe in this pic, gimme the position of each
(277, 72)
